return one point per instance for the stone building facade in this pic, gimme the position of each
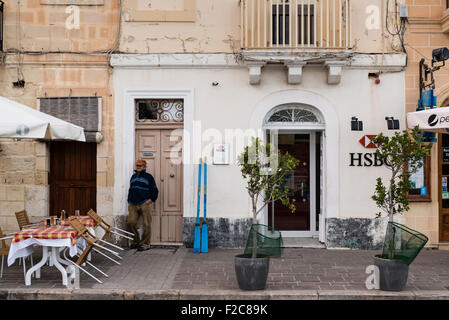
(237, 65)
(219, 71)
(60, 49)
(428, 30)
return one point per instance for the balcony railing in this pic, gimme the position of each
(296, 24)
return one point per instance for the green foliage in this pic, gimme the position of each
(265, 170)
(402, 155)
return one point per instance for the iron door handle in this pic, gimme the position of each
(172, 175)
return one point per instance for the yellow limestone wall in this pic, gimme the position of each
(425, 33)
(54, 61)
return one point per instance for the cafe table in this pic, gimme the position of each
(52, 239)
(85, 220)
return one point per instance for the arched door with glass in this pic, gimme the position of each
(297, 129)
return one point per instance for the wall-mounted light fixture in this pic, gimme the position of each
(356, 125)
(440, 55)
(393, 124)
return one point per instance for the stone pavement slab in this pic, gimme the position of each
(309, 269)
(179, 274)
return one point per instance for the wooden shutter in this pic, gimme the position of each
(81, 111)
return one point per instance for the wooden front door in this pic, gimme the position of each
(298, 182)
(73, 177)
(443, 181)
(163, 153)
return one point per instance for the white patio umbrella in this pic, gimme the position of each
(432, 120)
(20, 121)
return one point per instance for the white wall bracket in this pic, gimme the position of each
(335, 69)
(295, 71)
(255, 71)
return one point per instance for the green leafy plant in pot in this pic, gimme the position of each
(265, 171)
(402, 154)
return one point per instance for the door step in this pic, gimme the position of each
(443, 246)
(167, 245)
(302, 243)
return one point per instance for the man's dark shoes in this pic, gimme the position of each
(134, 246)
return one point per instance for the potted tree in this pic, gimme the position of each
(402, 154)
(265, 171)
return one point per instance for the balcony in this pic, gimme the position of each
(296, 24)
(296, 33)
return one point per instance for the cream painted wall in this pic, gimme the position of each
(370, 103)
(217, 28)
(230, 106)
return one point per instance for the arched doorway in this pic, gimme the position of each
(298, 129)
(328, 125)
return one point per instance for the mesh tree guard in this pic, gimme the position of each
(268, 241)
(402, 243)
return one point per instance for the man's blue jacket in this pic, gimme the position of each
(142, 188)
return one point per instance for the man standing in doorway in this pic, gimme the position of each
(142, 192)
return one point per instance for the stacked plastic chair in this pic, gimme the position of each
(92, 244)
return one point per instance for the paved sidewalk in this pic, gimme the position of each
(180, 274)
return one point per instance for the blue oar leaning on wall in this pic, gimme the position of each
(197, 235)
(204, 236)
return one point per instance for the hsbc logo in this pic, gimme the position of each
(366, 159)
(367, 142)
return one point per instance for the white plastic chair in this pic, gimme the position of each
(4, 251)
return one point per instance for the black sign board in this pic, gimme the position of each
(445, 154)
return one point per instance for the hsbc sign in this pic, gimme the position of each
(366, 159)
(367, 142)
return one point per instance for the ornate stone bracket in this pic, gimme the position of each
(335, 69)
(255, 71)
(295, 71)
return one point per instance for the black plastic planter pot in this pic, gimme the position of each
(393, 274)
(252, 273)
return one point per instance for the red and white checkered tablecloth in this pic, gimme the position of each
(85, 220)
(53, 232)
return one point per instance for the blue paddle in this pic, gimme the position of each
(197, 238)
(204, 237)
